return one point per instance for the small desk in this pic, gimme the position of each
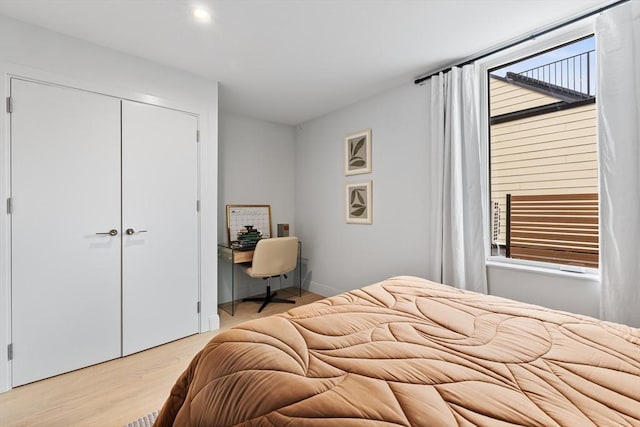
(228, 258)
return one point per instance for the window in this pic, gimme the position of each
(543, 157)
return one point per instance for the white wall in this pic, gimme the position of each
(573, 292)
(40, 54)
(256, 166)
(344, 256)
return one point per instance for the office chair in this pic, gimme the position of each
(273, 258)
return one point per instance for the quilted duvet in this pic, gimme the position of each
(408, 352)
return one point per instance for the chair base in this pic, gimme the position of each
(269, 297)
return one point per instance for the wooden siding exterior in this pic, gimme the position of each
(506, 97)
(553, 153)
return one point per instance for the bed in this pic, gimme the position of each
(409, 352)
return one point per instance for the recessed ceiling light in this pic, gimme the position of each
(201, 15)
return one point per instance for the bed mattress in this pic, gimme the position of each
(409, 352)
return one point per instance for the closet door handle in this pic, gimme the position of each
(112, 232)
(131, 231)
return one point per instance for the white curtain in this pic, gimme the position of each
(618, 50)
(456, 225)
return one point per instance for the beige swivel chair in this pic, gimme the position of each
(273, 258)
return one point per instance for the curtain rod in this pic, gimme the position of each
(522, 40)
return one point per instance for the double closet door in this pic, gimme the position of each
(104, 228)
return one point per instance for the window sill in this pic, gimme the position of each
(508, 264)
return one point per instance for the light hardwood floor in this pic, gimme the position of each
(120, 391)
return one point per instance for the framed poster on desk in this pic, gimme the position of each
(239, 216)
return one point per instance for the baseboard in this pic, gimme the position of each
(324, 290)
(214, 322)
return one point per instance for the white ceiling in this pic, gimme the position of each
(288, 61)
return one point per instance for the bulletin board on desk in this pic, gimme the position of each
(239, 216)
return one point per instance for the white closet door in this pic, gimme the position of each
(65, 186)
(159, 194)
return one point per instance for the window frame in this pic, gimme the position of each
(526, 49)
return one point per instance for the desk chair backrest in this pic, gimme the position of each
(274, 256)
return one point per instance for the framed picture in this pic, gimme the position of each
(239, 216)
(357, 153)
(358, 202)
